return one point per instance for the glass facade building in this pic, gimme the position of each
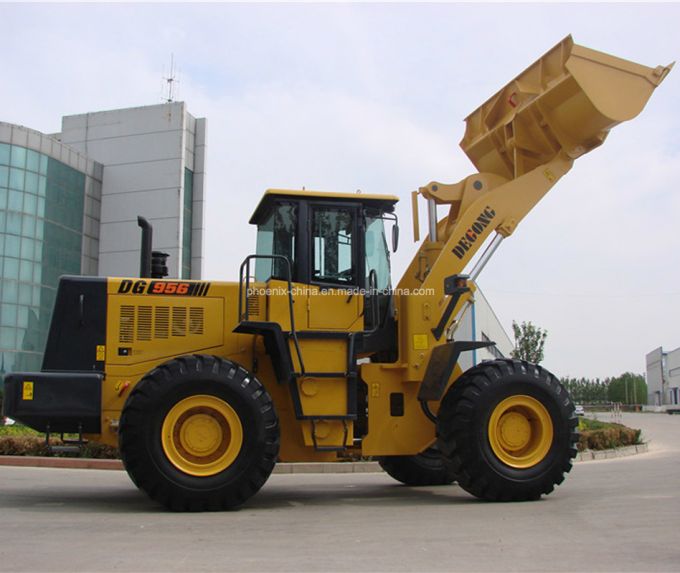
(42, 219)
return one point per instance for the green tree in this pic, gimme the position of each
(529, 342)
(628, 388)
(585, 390)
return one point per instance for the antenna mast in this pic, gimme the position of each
(170, 81)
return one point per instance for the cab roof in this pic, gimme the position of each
(381, 202)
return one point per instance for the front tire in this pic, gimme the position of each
(199, 433)
(509, 429)
(427, 468)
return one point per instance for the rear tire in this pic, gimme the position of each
(509, 429)
(427, 468)
(199, 433)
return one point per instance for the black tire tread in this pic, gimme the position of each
(456, 418)
(132, 434)
(427, 468)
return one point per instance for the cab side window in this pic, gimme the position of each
(276, 236)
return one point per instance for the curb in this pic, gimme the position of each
(70, 463)
(283, 468)
(94, 464)
(589, 455)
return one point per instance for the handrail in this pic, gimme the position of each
(289, 273)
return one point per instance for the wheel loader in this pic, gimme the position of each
(314, 355)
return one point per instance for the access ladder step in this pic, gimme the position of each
(65, 449)
(315, 439)
(68, 446)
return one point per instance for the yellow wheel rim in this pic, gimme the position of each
(202, 435)
(520, 431)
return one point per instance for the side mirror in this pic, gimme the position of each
(395, 237)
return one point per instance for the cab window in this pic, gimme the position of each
(333, 249)
(276, 236)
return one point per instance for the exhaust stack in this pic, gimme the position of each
(145, 254)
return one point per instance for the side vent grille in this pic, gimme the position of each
(144, 320)
(196, 320)
(162, 323)
(179, 321)
(127, 324)
(146, 323)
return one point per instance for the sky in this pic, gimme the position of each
(341, 97)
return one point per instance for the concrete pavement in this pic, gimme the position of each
(611, 515)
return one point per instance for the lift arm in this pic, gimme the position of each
(522, 140)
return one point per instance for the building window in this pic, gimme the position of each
(492, 349)
(186, 227)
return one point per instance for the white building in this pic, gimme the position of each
(663, 377)
(154, 166)
(481, 323)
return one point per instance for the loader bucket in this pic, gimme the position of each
(566, 101)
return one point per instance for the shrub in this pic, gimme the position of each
(23, 445)
(34, 445)
(99, 451)
(604, 436)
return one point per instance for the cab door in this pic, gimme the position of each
(378, 292)
(334, 301)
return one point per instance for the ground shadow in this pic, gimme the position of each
(306, 489)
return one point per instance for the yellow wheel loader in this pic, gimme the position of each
(314, 355)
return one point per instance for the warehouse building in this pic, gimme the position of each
(663, 377)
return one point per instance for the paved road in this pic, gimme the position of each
(610, 515)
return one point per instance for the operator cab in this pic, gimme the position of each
(333, 241)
